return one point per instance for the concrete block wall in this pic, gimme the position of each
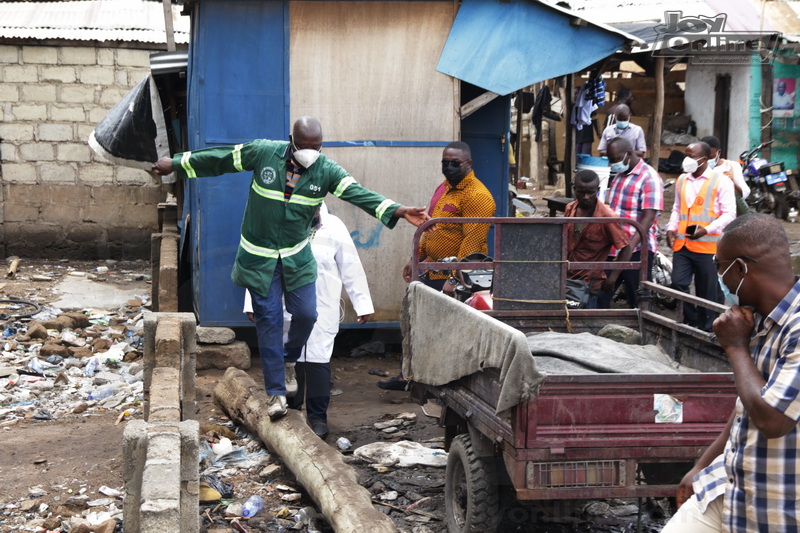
(161, 452)
(57, 197)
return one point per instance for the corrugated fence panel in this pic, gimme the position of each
(374, 78)
(367, 70)
(406, 175)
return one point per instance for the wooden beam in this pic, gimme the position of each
(766, 103)
(569, 145)
(658, 115)
(168, 26)
(477, 103)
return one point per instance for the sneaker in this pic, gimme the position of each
(320, 429)
(277, 407)
(291, 380)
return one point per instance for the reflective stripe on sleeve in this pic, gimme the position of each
(384, 205)
(343, 185)
(237, 157)
(187, 166)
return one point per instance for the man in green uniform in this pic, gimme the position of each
(274, 260)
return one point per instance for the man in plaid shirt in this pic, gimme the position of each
(637, 193)
(747, 480)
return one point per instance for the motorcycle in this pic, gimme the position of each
(474, 286)
(767, 181)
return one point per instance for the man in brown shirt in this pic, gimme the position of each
(592, 242)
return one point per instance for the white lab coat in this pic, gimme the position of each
(338, 265)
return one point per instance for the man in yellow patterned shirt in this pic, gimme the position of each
(459, 195)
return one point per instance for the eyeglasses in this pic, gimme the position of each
(455, 163)
(719, 262)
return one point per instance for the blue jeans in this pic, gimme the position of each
(301, 303)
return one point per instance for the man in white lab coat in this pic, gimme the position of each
(338, 265)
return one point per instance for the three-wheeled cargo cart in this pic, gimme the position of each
(552, 436)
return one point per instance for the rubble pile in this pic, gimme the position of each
(57, 365)
(60, 364)
(73, 511)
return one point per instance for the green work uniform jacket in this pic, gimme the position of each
(275, 228)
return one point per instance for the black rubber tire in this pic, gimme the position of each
(470, 490)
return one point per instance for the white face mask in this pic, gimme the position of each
(305, 157)
(689, 165)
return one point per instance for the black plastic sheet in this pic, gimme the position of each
(133, 133)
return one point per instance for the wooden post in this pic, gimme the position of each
(658, 115)
(766, 103)
(569, 144)
(168, 26)
(518, 144)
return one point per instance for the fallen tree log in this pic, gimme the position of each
(332, 484)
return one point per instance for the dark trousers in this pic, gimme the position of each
(685, 265)
(313, 386)
(631, 280)
(301, 303)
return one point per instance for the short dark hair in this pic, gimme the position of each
(712, 141)
(460, 145)
(586, 176)
(757, 231)
(623, 93)
(622, 143)
(705, 147)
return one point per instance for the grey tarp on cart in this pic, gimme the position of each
(445, 340)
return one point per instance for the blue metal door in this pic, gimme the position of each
(238, 91)
(486, 133)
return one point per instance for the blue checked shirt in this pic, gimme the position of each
(758, 477)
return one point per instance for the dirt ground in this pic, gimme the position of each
(78, 454)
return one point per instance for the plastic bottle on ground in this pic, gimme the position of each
(252, 506)
(102, 392)
(90, 368)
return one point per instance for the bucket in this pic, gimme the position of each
(599, 165)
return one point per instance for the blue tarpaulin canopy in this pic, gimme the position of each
(505, 45)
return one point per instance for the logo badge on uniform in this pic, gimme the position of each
(268, 175)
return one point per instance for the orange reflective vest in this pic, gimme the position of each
(700, 213)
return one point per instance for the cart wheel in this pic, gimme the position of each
(470, 490)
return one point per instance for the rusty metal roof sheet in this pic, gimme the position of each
(91, 20)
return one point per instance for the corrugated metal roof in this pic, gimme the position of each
(91, 20)
(742, 15)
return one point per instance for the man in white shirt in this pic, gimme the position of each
(730, 169)
(624, 128)
(704, 205)
(338, 265)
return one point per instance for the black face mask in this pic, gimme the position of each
(453, 174)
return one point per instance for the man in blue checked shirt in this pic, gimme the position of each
(747, 480)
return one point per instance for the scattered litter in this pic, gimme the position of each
(401, 454)
(343, 443)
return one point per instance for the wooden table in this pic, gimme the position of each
(557, 204)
